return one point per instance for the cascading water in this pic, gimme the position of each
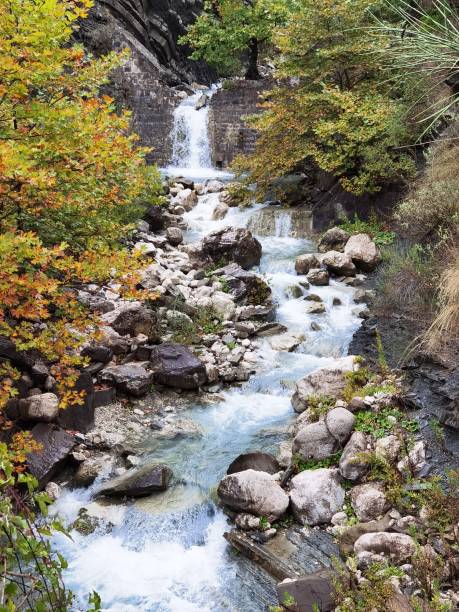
(167, 553)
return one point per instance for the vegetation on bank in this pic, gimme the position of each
(72, 180)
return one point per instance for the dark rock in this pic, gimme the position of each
(154, 216)
(334, 239)
(138, 482)
(175, 366)
(104, 396)
(258, 461)
(232, 244)
(39, 373)
(18, 358)
(98, 353)
(131, 378)
(56, 446)
(136, 320)
(244, 284)
(80, 417)
(310, 593)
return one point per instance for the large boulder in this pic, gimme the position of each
(131, 378)
(339, 263)
(340, 423)
(232, 244)
(310, 593)
(352, 464)
(334, 239)
(318, 277)
(398, 547)
(55, 445)
(44, 407)
(132, 320)
(314, 441)
(304, 263)
(138, 482)
(363, 251)
(258, 461)
(316, 495)
(254, 492)
(79, 416)
(244, 285)
(175, 366)
(155, 218)
(324, 381)
(369, 501)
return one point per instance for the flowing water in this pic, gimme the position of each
(166, 553)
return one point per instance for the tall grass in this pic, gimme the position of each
(445, 326)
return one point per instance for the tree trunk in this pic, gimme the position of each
(252, 73)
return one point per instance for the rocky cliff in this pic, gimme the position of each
(151, 82)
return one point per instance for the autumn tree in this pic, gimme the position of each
(336, 106)
(230, 33)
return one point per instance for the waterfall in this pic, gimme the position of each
(283, 225)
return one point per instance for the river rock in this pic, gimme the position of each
(398, 547)
(339, 263)
(369, 501)
(174, 236)
(44, 407)
(340, 423)
(304, 263)
(138, 482)
(220, 211)
(133, 320)
(258, 461)
(318, 277)
(244, 284)
(186, 198)
(254, 492)
(363, 252)
(154, 216)
(55, 447)
(314, 441)
(201, 102)
(310, 593)
(98, 353)
(223, 305)
(286, 342)
(232, 244)
(352, 465)
(214, 186)
(316, 495)
(131, 378)
(324, 381)
(175, 366)
(388, 448)
(90, 469)
(334, 239)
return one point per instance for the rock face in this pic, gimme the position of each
(56, 446)
(324, 381)
(131, 378)
(396, 546)
(363, 252)
(232, 244)
(253, 492)
(175, 366)
(44, 407)
(138, 482)
(334, 239)
(316, 495)
(258, 461)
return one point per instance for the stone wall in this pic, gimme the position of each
(229, 134)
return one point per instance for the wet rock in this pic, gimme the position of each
(254, 492)
(174, 236)
(131, 378)
(398, 547)
(324, 381)
(316, 308)
(369, 501)
(232, 244)
(220, 211)
(133, 320)
(138, 482)
(318, 277)
(339, 263)
(98, 353)
(90, 469)
(175, 366)
(201, 103)
(340, 423)
(258, 461)
(334, 239)
(314, 441)
(352, 465)
(186, 198)
(53, 491)
(286, 342)
(214, 186)
(304, 263)
(310, 593)
(316, 495)
(44, 407)
(363, 252)
(55, 447)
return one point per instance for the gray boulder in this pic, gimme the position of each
(369, 501)
(44, 407)
(340, 423)
(174, 236)
(131, 378)
(314, 441)
(339, 263)
(398, 547)
(351, 465)
(363, 251)
(318, 277)
(133, 320)
(254, 492)
(304, 263)
(138, 482)
(334, 239)
(232, 244)
(316, 495)
(175, 366)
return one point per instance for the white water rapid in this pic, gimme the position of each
(167, 553)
